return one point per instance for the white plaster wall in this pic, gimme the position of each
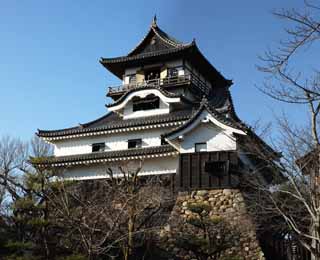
(154, 166)
(215, 138)
(205, 129)
(117, 141)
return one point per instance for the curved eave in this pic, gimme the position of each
(190, 52)
(129, 92)
(79, 128)
(103, 157)
(118, 64)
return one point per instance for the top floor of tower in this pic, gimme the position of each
(159, 60)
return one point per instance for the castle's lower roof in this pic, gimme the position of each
(113, 122)
(102, 157)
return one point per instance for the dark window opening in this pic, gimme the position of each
(200, 147)
(147, 103)
(163, 141)
(216, 168)
(152, 74)
(98, 147)
(173, 72)
(134, 143)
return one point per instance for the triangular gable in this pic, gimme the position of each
(205, 114)
(155, 40)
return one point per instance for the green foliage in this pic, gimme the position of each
(38, 222)
(24, 204)
(192, 242)
(73, 257)
(18, 257)
(208, 236)
(216, 220)
(14, 246)
(231, 258)
(199, 208)
(195, 221)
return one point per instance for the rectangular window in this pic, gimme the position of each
(163, 141)
(147, 103)
(98, 147)
(200, 147)
(173, 72)
(134, 143)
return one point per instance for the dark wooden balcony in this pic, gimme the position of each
(168, 82)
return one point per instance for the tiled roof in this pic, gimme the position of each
(98, 157)
(219, 116)
(165, 39)
(231, 121)
(105, 61)
(112, 121)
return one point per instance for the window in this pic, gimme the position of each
(163, 141)
(98, 147)
(152, 74)
(200, 147)
(134, 143)
(173, 72)
(147, 103)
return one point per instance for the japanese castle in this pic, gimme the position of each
(173, 114)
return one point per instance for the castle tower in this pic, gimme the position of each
(173, 111)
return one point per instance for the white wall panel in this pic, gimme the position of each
(113, 142)
(155, 166)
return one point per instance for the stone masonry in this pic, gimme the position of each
(227, 204)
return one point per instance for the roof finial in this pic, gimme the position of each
(154, 21)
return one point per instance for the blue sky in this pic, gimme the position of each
(50, 77)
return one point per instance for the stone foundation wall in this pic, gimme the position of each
(227, 204)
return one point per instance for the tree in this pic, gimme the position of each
(49, 217)
(295, 202)
(116, 217)
(208, 237)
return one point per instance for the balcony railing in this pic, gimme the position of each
(164, 82)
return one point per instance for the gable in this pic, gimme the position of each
(154, 41)
(215, 138)
(153, 44)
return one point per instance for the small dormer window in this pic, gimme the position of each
(134, 143)
(147, 103)
(163, 141)
(200, 147)
(98, 147)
